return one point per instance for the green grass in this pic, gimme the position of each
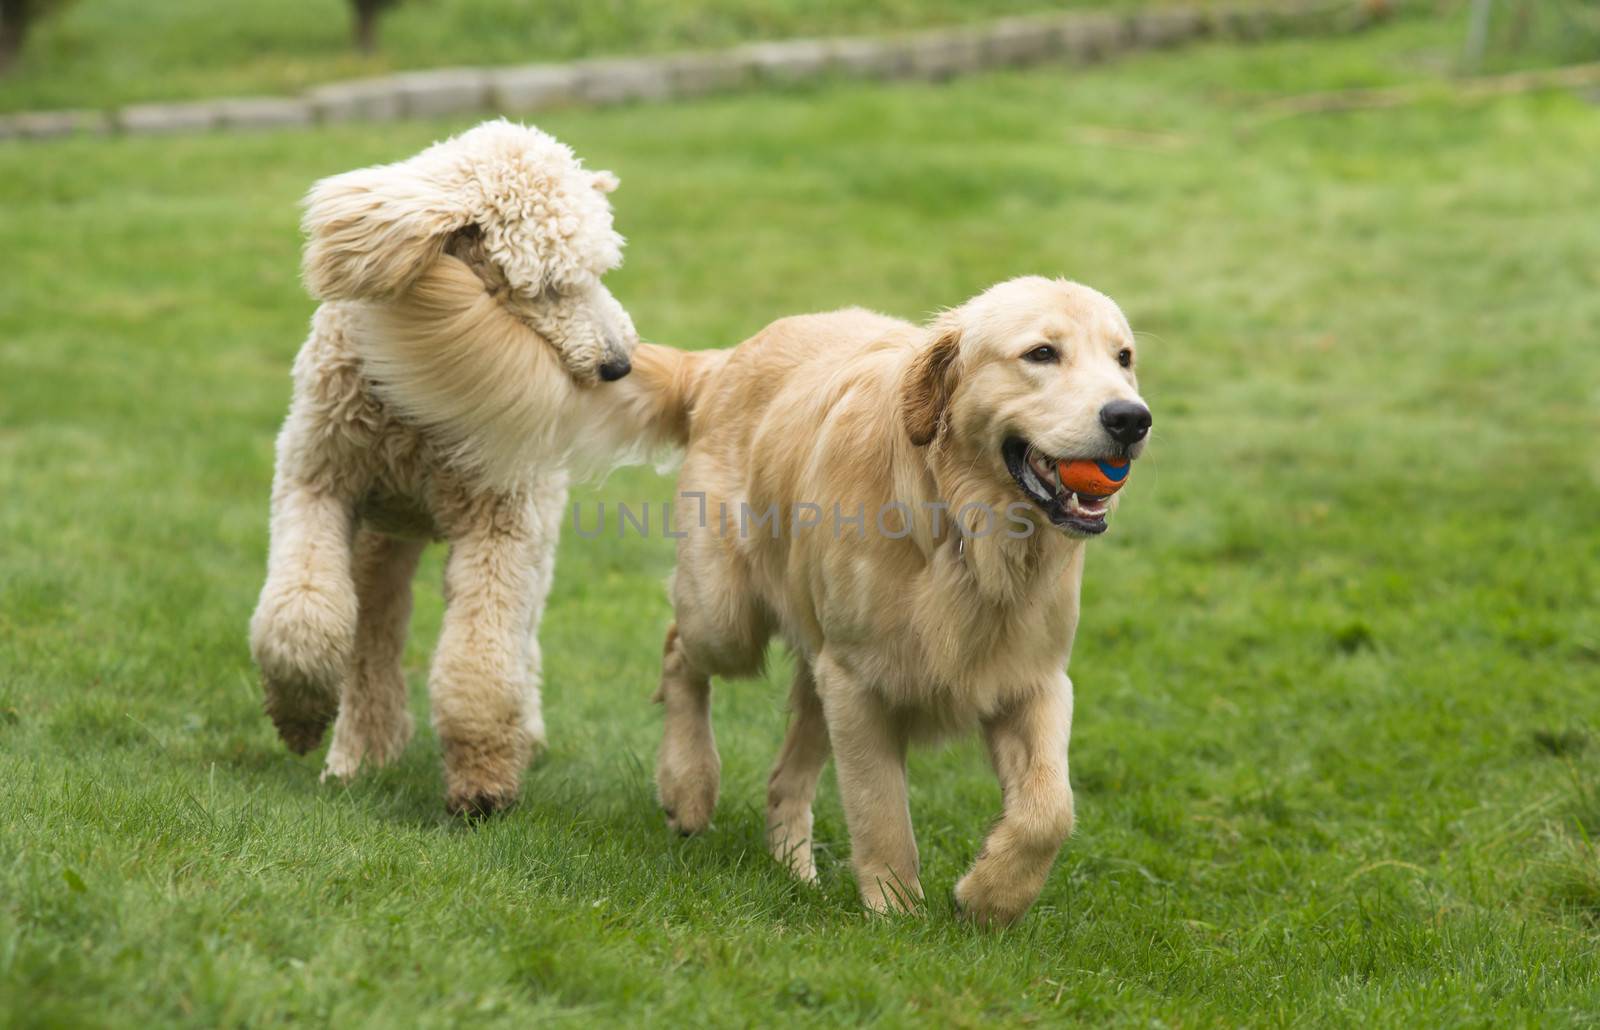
(1335, 752)
(100, 53)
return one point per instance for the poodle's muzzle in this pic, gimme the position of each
(618, 362)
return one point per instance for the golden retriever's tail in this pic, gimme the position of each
(659, 397)
(496, 399)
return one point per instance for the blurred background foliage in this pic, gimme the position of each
(101, 53)
(1540, 31)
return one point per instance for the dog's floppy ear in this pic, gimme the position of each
(370, 233)
(928, 384)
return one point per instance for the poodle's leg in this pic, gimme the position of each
(479, 678)
(374, 724)
(869, 752)
(304, 626)
(549, 506)
(793, 783)
(688, 770)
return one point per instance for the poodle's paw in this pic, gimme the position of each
(301, 641)
(687, 788)
(340, 767)
(533, 730)
(371, 742)
(483, 775)
(473, 807)
(300, 711)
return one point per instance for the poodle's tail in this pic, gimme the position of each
(658, 399)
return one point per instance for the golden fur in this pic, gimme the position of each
(450, 381)
(911, 627)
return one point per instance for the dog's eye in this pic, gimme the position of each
(1041, 355)
(1125, 358)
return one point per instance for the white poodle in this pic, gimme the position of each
(464, 342)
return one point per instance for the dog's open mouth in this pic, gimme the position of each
(1035, 472)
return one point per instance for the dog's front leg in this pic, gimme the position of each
(1028, 746)
(494, 583)
(304, 626)
(869, 750)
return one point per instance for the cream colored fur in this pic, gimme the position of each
(894, 638)
(450, 382)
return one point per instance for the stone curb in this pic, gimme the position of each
(536, 87)
(156, 119)
(53, 124)
(623, 80)
(361, 100)
(263, 113)
(931, 55)
(432, 94)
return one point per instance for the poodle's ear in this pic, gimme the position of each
(928, 384)
(606, 182)
(370, 233)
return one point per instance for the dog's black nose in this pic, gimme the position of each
(611, 371)
(1126, 421)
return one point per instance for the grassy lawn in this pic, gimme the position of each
(1335, 752)
(100, 53)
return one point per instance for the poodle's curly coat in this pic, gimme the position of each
(453, 376)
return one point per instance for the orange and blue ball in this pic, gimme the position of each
(1096, 477)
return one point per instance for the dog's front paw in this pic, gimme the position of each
(299, 713)
(479, 806)
(985, 905)
(687, 789)
(301, 640)
(483, 770)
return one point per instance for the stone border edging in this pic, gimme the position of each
(932, 54)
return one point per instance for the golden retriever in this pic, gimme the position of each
(883, 497)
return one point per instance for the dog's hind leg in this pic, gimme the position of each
(304, 627)
(721, 629)
(688, 769)
(793, 783)
(549, 506)
(479, 683)
(374, 724)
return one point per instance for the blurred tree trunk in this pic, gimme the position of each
(13, 25)
(1478, 33)
(366, 24)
